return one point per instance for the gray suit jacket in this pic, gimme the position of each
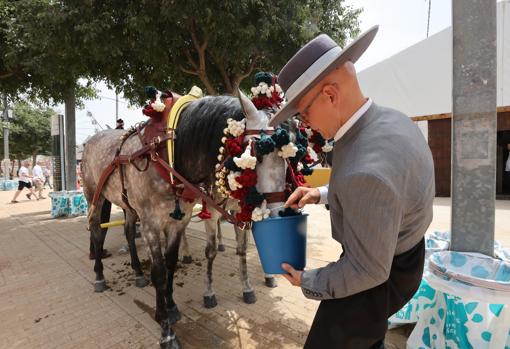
(380, 195)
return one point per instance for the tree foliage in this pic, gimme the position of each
(166, 43)
(29, 133)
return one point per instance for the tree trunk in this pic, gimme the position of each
(34, 158)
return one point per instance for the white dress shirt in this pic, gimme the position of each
(341, 131)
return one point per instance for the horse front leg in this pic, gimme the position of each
(210, 253)
(249, 296)
(171, 257)
(130, 232)
(186, 255)
(219, 235)
(159, 279)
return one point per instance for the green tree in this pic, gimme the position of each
(48, 45)
(29, 131)
(41, 54)
(215, 44)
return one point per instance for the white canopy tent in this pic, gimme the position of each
(418, 80)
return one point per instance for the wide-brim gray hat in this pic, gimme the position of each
(312, 63)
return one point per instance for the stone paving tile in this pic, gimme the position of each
(47, 298)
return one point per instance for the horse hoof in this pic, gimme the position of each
(140, 282)
(249, 297)
(221, 248)
(187, 259)
(210, 301)
(170, 343)
(100, 286)
(271, 282)
(174, 315)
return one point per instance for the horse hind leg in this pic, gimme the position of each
(186, 255)
(249, 296)
(168, 339)
(130, 232)
(171, 257)
(98, 235)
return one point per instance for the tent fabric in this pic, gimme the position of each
(418, 80)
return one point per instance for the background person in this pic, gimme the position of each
(38, 179)
(24, 181)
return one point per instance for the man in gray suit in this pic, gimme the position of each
(380, 196)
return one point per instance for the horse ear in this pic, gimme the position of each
(249, 109)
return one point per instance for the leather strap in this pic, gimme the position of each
(258, 132)
(230, 218)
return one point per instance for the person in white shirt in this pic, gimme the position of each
(38, 179)
(24, 181)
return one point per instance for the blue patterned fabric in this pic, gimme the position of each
(8, 185)
(471, 303)
(424, 297)
(68, 203)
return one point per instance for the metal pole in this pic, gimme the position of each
(6, 139)
(474, 125)
(55, 135)
(116, 107)
(70, 140)
(62, 154)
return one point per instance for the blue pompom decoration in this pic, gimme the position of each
(231, 165)
(254, 197)
(263, 77)
(264, 145)
(177, 214)
(301, 152)
(150, 91)
(306, 171)
(281, 137)
(301, 139)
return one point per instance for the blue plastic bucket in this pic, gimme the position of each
(281, 240)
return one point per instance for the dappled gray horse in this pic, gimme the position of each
(151, 198)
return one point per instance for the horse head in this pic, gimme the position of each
(271, 169)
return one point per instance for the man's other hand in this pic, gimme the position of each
(294, 276)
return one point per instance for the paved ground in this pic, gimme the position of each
(46, 297)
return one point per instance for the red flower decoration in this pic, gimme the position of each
(317, 148)
(248, 178)
(240, 194)
(150, 112)
(234, 146)
(245, 214)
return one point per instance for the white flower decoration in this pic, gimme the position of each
(236, 128)
(254, 90)
(278, 88)
(312, 153)
(327, 147)
(246, 160)
(299, 166)
(260, 213)
(309, 132)
(288, 151)
(157, 105)
(232, 183)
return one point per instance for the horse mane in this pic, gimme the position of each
(199, 134)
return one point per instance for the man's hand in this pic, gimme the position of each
(294, 276)
(303, 196)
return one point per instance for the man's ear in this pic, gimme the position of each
(331, 91)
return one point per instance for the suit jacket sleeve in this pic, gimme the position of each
(372, 214)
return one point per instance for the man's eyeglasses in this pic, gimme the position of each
(303, 116)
